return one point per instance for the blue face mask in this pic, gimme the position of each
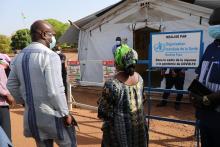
(53, 42)
(214, 31)
(118, 43)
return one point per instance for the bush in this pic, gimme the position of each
(5, 44)
(21, 39)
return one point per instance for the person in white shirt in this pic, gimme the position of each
(35, 80)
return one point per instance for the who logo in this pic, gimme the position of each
(159, 47)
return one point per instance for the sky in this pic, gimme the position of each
(12, 11)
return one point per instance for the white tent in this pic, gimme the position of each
(132, 20)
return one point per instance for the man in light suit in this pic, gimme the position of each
(4, 140)
(35, 80)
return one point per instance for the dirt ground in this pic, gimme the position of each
(162, 134)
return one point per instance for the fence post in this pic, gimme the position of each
(69, 96)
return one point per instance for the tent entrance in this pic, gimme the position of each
(141, 45)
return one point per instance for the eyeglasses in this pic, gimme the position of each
(46, 32)
(49, 33)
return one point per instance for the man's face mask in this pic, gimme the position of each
(52, 43)
(214, 31)
(118, 43)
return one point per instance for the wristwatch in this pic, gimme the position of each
(205, 101)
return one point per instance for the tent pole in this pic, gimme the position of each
(69, 97)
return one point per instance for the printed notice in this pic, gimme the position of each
(108, 69)
(73, 72)
(176, 49)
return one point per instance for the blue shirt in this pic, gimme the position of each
(209, 74)
(4, 141)
(114, 48)
(209, 69)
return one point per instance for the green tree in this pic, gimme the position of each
(21, 39)
(59, 27)
(4, 44)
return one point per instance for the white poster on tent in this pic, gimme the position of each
(108, 69)
(176, 49)
(73, 72)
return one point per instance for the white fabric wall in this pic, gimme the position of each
(97, 46)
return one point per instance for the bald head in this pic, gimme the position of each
(40, 32)
(40, 26)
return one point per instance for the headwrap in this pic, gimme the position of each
(125, 56)
(4, 59)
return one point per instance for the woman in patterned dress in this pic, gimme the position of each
(121, 105)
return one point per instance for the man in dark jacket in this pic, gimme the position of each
(63, 65)
(174, 77)
(208, 72)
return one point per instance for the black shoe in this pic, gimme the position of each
(177, 107)
(162, 104)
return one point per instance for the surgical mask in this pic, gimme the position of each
(118, 42)
(53, 42)
(214, 31)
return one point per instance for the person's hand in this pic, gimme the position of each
(197, 100)
(182, 73)
(173, 74)
(68, 120)
(10, 100)
(162, 73)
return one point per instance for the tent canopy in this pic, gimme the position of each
(96, 33)
(71, 36)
